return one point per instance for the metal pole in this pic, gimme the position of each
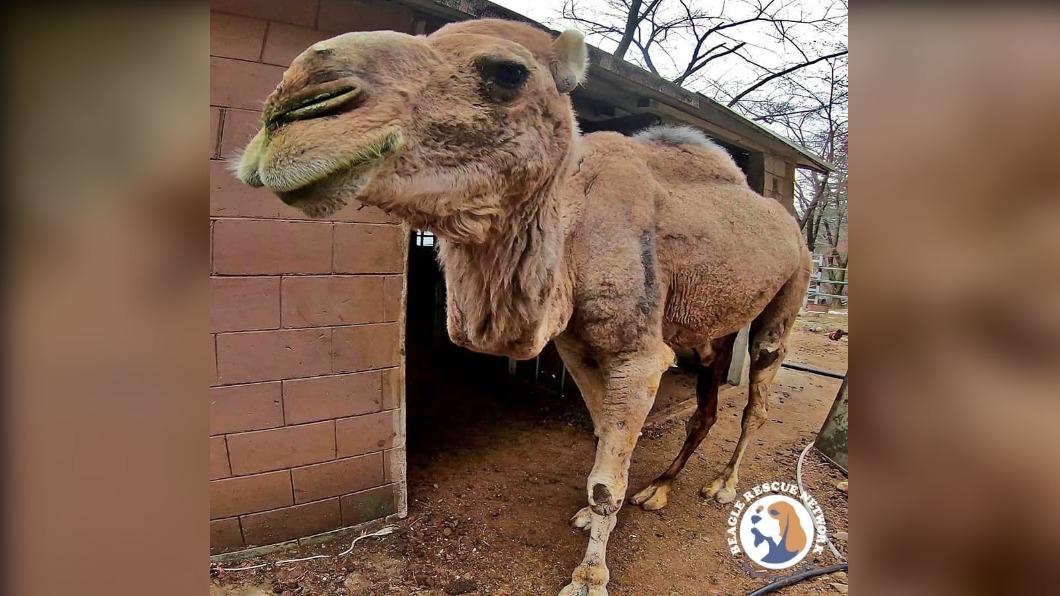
(735, 374)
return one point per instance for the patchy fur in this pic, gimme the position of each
(688, 137)
(674, 135)
(620, 249)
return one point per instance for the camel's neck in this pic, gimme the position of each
(511, 294)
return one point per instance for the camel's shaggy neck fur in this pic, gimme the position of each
(511, 293)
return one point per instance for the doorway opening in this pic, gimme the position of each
(459, 401)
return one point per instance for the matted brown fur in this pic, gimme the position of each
(619, 249)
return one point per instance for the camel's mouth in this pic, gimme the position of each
(321, 184)
(313, 106)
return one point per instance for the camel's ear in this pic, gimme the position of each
(570, 60)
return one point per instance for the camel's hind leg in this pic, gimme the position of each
(712, 369)
(768, 346)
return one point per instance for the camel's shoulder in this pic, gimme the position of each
(612, 168)
(600, 146)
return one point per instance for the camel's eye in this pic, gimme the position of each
(502, 80)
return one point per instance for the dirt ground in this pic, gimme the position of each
(496, 469)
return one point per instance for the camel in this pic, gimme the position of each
(620, 249)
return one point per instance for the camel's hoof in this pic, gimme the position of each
(725, 495)
(580, 589)
(712, 489)
(718, 491)
(587, 580)
(582, 519)
(653, 497)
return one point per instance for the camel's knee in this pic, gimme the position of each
(629, 393)
(606, 495)
(768, 346)
(766, 358)
(699, 424)
(608, 480)
(607, 483)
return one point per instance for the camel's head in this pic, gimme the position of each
(450, 132)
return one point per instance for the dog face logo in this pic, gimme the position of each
(776, 532)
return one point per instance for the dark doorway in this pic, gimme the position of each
(454, 397)
(431, 357)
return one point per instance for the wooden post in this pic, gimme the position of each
(740, 362)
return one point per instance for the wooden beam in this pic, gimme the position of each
(623, 124)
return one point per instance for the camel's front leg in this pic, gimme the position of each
(590, 578)
(630, 388)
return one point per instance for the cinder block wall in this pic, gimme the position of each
(306, 407)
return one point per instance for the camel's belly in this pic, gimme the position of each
(699, 309)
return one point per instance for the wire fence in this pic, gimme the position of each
(828, 285)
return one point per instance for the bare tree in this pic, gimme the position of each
(812, 110)
(690, 38)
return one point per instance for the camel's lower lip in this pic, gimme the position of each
(351, 182)
(302, 178)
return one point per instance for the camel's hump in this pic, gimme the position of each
(715, 163)
(668, 134)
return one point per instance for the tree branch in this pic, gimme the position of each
(632, 24)
(647, 58)
(784, 72)
(821, 189)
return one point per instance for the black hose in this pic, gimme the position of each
(813, 369)
(798, 577)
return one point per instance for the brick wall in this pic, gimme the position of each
(306, 407)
